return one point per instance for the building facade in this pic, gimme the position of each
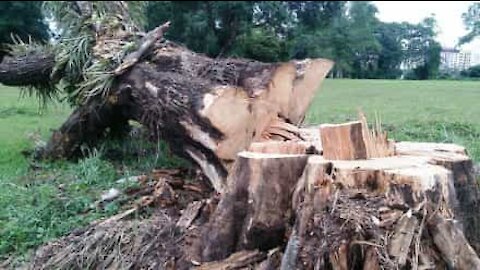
(456, 60)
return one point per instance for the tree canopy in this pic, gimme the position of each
(347, 32)
(471, 19)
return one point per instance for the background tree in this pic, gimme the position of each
(391, 53)
(347, 32)
(422, 50)
(471, 19)
(23, 19)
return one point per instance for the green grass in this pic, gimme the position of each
(21, 118)
(37, 205)
(440, 111)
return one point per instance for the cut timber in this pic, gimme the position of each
(454, 158)
(254, 211)
(354, 140)
(275, 147)
(343, 141)
(349, 214)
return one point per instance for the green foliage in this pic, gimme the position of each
(346, 32)
(50, 203)
(209, 27)
(472, 72)
(471, 20)
(86, 73)
(260, 44)
(23, 19)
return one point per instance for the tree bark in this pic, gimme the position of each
(86, 126)
(254, 211)
(31, 69)
(208, 110)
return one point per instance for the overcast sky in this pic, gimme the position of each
(447, 13)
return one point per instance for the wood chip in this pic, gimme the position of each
(189, 214)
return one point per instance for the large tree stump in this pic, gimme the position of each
(409, 210)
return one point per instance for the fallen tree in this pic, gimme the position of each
(337, 196)
(206, 109)
(410, 208)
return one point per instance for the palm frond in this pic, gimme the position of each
(93, 46)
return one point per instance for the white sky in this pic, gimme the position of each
(447, 13)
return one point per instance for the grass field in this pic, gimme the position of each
(33, 209)
(440, 111)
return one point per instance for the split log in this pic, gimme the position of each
(354, 140)
(343, 141)
(254, 211)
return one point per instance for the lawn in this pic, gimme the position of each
(33, 210)
(440, 111)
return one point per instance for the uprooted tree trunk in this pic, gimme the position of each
(206, 109)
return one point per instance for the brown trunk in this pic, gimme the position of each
(207, 109)
(85, 127)
(255, 210)
(32, 69)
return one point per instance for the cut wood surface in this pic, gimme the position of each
(354, 140)
(275, 147)
(343, 141)
(233, 104)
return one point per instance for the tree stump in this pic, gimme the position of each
(411, 208)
